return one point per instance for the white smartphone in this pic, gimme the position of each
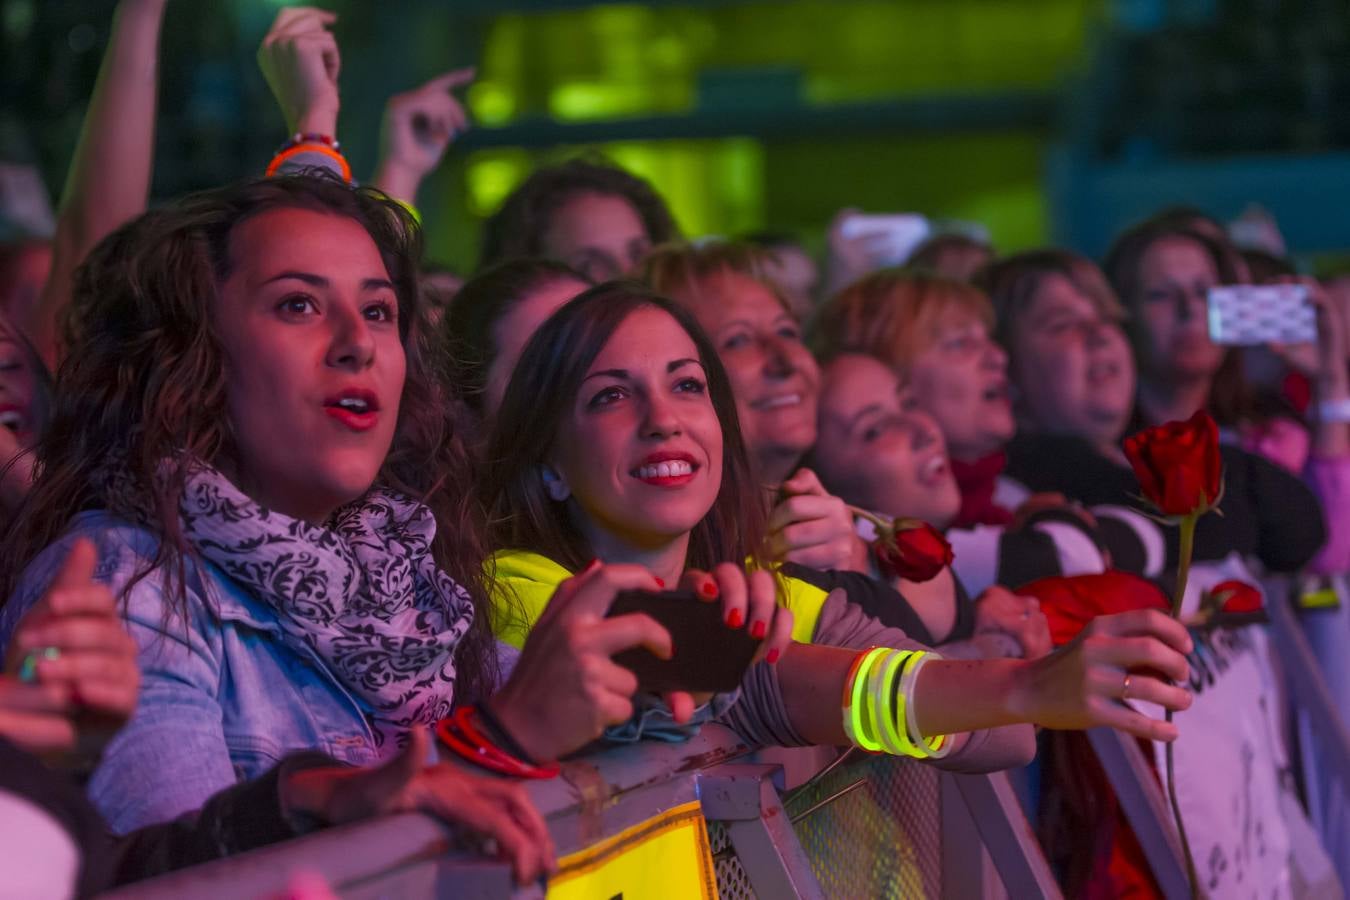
(1246, 315)
(890, 238)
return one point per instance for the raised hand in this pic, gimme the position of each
(299, 58)
(418, 127)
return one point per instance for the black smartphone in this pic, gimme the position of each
(709, 656)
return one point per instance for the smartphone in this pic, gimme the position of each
(890, 239)
(1245, 315)
(709, 656)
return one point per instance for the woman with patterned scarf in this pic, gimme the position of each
(248, 429)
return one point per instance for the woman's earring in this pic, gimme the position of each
(553, 483)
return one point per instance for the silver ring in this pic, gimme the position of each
(1125, 688)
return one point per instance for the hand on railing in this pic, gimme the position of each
(495, 808)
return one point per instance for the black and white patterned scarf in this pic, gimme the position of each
(362, 591)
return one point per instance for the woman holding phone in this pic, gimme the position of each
(617, 442)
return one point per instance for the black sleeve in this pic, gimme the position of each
(237, 819)
(1289, 519)
(1124, 544)
(879, 600)
(964, 629)
(1026, 555)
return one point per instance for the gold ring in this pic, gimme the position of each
(1125, 688)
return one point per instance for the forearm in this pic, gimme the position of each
(398, 181)
(109, 178)
(950, 696)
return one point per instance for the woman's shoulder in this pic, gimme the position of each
(521, 583)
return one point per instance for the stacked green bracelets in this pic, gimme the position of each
(878, 704)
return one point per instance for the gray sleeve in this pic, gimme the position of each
(761, 717)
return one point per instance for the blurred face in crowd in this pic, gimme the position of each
(599, 235)
(640, 451)
(961, 379)
(876, 449)
(1170, 312)
(18, 386)
(308, 320)
(774, 377)
(961, 261)
(1071, 364)
(438, 290)
(24, 276)
(514, 330)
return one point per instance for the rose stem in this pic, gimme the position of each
(1183, 575)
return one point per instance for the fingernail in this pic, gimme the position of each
(709, 589)
(772, 656)
(591, 566)
(759, 629)
(735, 618)
(660, 583)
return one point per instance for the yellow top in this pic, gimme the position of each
(524, 582)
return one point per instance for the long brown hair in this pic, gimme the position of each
(544, 385)
(144, 378)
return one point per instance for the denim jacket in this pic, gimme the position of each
(222, 699)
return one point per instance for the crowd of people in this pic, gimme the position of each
(282, 499)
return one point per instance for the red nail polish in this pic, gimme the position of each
(660, 583)
(772, 656)
(735, 618)
(758, 630)
(591, 566)
(709, 590)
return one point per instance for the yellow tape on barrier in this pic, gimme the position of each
(665, 856)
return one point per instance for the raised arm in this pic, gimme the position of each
(109, 178)
(418, 128)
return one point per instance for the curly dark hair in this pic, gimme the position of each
(517, 230)
(144, 377)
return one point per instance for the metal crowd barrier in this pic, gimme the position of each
(863, 826)
(1321, 742)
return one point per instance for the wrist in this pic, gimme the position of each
(1016, 691)
(319, 119)
(397, 180)
(518, 723)
(304, 797)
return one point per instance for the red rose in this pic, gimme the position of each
(914, 551)
(1236, 597)
(1178, 464)
(1071, 602)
